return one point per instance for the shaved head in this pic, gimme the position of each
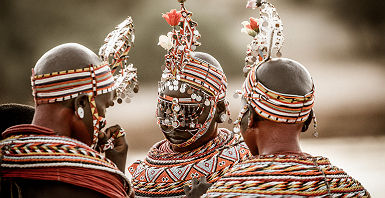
(285, 76)
(65, 57)
(208, 58)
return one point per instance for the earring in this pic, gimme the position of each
(223, 117)
(304, 128)
(315, 133)
(80, 112)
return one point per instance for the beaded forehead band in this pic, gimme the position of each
(93, 80)
(184, 73)
(61, 86)
(269, 104)
(276, 106)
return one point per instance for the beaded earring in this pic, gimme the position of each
(223, 117)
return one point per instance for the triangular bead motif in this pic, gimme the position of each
(164, 178)
(230, 154)
(207, 166)
(179, 173)
(95, 120)
(138, 170)
(152, 173)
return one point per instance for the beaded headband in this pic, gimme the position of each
(276, 106)
(61, 86)
(269, 104)
(185, 73)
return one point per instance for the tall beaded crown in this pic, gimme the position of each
(202, 82)
(180, 65)
(267, 33)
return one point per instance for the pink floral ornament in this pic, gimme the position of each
(251, 28)
(172, 17)
(254, 24)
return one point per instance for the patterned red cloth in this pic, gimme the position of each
(34, 152)
(164, 173)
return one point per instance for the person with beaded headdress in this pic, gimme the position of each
(278, 98)
(191, 103)
(64, 152)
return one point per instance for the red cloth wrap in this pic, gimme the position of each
(100, 181)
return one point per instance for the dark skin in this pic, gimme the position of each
(62, 118)
(180, 135)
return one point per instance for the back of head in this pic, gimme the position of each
(65, 71)
(83, 84)
(279, 90)
(13, 114)
(208, 58)
(66, 81)
(285, 76)
(66, 57)
(282, 91)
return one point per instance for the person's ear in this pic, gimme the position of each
(252, 119)
(221, 114)
(307, 123)
(80, 105)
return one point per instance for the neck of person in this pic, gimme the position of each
(275, 138)
(210, 134)
(55, 117)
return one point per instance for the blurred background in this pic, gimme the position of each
(341, 42)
